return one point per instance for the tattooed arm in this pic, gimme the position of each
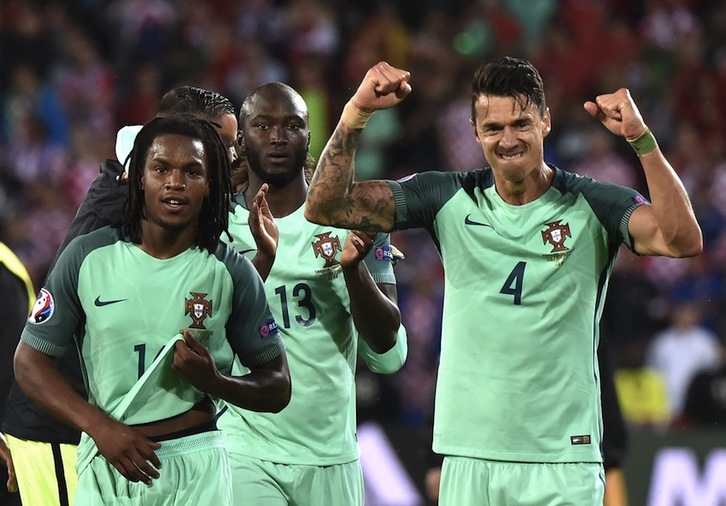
(334, 198)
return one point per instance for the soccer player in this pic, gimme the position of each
(163, 281)
(105, 198)
(614, 442)
(527, 250)
(333, 296)
(43, 447)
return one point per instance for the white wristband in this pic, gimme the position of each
(354, 117)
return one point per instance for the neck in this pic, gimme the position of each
(163, 243)
(520, 192)
(283, 200)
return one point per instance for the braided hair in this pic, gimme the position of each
(214, 215)
(195, 101)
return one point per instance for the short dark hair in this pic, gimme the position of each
(195, 101)
(213, 219)
(509, 77)
(283, 88)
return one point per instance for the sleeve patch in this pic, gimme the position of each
(43, 308)
(383, 253)
(269, 328)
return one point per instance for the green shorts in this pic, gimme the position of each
(46, 472)
(194, 470)
(478, 482)
(264, 483)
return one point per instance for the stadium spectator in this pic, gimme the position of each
(679, 351)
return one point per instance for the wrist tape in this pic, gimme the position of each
(354, 117)
(644, 144)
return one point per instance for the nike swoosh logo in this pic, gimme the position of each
(100, 303)
(468, 221)
(246, 251)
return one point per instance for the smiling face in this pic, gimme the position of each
(175, 183)
(275, 135)
(512, 137)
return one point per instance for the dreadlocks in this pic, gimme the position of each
(213, 218)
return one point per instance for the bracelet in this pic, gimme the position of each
(644, 144)
(354, 117)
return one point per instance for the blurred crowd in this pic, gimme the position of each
(72, 72)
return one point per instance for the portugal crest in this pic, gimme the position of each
(327, 247)
(556, 234)
(198, 309)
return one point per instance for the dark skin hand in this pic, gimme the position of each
(128, 450)
(264, 231)
(356, 247)
(124, 447)
(374, 309)
(194, 363)
(265, 388)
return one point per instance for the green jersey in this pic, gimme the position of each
(309, 300)
(524, 290)
(125, 305)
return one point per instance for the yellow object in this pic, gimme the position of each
(642, 395)
(13, 263)
(36, 471)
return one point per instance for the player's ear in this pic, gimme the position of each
(547, 123)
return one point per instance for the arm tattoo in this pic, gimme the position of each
(336, 199)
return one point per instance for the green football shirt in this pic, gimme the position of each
(126, 305)
(309, 300)
(524, 291)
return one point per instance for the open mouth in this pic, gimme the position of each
(511, 156)
(174, 204)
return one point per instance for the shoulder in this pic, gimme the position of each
(235, 262)
(84, 244)
(103, 236)
(592, 189)
(480, 177)
(437, 187)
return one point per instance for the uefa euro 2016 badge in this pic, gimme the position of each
(556, 234)
(327, 247)
(43, 308)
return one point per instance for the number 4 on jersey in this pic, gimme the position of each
(514, 283)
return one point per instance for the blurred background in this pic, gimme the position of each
(73, 72)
